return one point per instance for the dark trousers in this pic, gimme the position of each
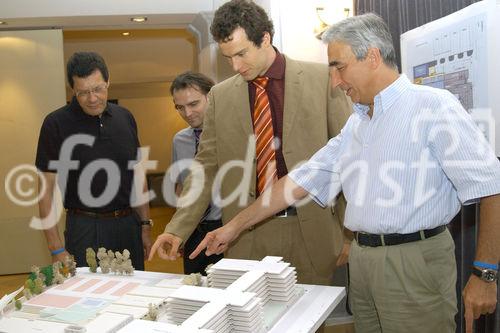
(114, 234)
(198, 264)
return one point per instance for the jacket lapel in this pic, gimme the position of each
(241, 106)
(293, 93)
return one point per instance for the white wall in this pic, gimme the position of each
(157, 122)
(294, 24)
(31, 86)
(144, 56)
(55, 8)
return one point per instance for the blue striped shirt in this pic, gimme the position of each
(407, 168)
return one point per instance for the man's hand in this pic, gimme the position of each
(480, 297)
(171, 241)
(217, 241)
(146, 240)
(343, 257)
(60, 256)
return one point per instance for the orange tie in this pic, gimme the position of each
(263, 130)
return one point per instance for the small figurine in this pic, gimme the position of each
(91, 260)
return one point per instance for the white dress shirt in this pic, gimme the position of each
(407, 168)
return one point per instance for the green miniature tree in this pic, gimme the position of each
(91, 260)
(48, 272)
(35, 272)
(38, 286)
(29, 285)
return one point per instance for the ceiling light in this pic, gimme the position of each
(126, 33)
(139, 19)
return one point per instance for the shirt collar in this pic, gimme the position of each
(75, 107)
(277, 69)
(386, 98)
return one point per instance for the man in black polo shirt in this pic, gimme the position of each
(94, 145)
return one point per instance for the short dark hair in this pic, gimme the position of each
(82, 64)
(244, 14)
(193, 80)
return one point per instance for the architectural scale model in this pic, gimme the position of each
(236, 297)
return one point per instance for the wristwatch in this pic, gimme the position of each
(147, 222)
(485, 274)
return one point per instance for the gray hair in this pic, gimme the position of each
(362, 32)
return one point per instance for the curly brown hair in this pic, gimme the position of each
(241, 13)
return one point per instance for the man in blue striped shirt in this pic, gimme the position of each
(406, 160)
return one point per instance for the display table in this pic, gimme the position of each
(305, 315)
(310, 310)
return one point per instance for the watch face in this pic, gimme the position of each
(489, 275)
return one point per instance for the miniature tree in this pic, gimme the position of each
(127, 263)
(38, 280)
(27, 293)
(193, 279)
(29, 287)
(112, 262)
(38, 289)
(35, 272)
(91, 260)
(57, 270)
(104, 261)
(118, 261)
(69, 265)
(152, 314)
(48, 274)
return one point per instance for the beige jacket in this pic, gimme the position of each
(312, 115)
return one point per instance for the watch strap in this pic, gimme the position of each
(147, 222)
(485, 274)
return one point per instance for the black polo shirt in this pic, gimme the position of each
(115, 144)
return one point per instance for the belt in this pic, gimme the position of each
(106, 215)
(289, 211)
(208, 225)
(374, 240)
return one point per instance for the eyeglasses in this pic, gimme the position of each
(97, 90)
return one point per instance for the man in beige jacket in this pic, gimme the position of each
(305, 114)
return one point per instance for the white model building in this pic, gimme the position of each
(249, 285)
